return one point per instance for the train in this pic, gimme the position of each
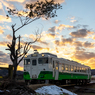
(48, 68)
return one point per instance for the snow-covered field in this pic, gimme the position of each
(53, 90)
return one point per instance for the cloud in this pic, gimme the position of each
(20, 1)
(39, 48)
(88, 44)
(60, 27)
(83, 44)
(50, 35)
(81, 33)
(4, 19)
(7, 4)
(3, 44)
(2, 27)
(59, 1)
(56, 1)
(1, 7)
(1, 31)
(73, 17)
(56, 21)
(91, 63)
(9, 37)
(83, 56)
(64, 41)
(63, 26)
(43, 42)
(4, 58)
(52, 29)
(73, 21)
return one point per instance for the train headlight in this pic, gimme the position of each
(42, 76)
(43, 55)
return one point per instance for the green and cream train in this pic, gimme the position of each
(48, 68)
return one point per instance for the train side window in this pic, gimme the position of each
(75, 69)
(78, 70)
(72, 68)
(63, 67)
(66, 67)
(34, 62)
(69, 67)
(26, 61)
(85, 70)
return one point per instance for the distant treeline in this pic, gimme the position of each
(93, 72)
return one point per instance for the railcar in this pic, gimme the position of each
(47, 67)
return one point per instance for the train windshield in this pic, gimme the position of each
(43, 60)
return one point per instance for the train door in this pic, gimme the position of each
(55, 64)
(34, 67)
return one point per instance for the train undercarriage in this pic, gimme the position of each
(59, 82)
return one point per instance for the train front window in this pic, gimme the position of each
(43, 60)
(34, 62)
(26, 61)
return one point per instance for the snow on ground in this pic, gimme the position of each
(53, 90)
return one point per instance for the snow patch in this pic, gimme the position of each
(53, 90)
(1, 91)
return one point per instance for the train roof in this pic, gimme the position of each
(61, 59)
(72, 62)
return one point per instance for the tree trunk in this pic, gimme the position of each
(14, 71)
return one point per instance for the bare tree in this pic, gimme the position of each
(46, 9)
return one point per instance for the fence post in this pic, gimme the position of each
(10, 71)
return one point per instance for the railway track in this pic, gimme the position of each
(68, 86)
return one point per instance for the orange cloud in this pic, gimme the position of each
(63, 26)
(84, 57)
(7, 4)
(50, 35)
(1, 7)
(8, 37)
(56, 1)
(4, 44)
(1, 31)
(39, 48)
(4, 19)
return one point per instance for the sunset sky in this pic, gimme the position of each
(70, 35)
